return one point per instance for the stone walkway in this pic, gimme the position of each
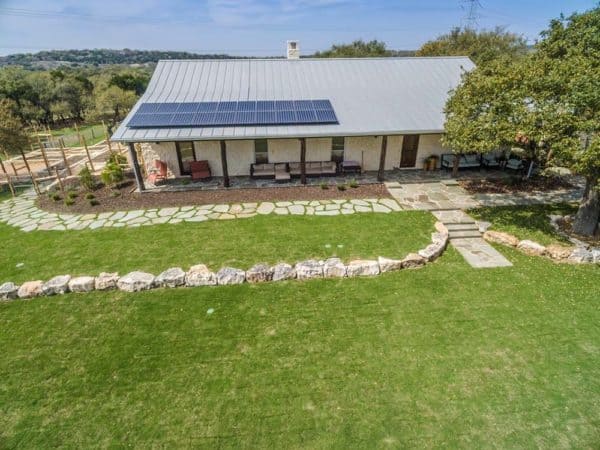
(23, 213)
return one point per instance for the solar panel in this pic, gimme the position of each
(231, 113)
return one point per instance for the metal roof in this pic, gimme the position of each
(371, 96)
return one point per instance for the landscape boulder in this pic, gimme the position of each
(82, 284)
(432, 251)
(439, 238)
(412, 261)
(441, 228)
(483, 226)
(283, 271)
(136, 281)
(389, 265)
(9, 291)
(581, 255)
(531, 248)
(57, 286)
(171, 278)
(334, 268)
(259, 273)
(362, 268)
(558, 252)
(106, 281)
(30, 289)
(499, 237)
(596, 254)
(309, 269)
(230, 275)
(200, 275)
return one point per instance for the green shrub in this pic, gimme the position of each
(90, 196)
(69, 202)
(86, 179)
(94, 202)
(353, 183)
(341, 187)
(116, 158)
(72, 195)
(324, 185)
(185, 181)
(112, 174)
(56, 197)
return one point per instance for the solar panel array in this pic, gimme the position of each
(231, 114)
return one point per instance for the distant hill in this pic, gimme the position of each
(97, 57)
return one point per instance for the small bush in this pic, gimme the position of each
(69, 202)
(116, 158)
(56, 197)
(90, 196)
(86, 179)
(72, 195)
(112, 174)
(94, 202)
(185, 181)
(341, 187)
(324, 186)
(353, 184)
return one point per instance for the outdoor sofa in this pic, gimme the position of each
(469, 161)
(278, 170)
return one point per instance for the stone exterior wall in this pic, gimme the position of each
(164, 151)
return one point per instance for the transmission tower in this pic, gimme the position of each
(471, 8)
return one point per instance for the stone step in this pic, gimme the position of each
(461, 226)
(461, 234)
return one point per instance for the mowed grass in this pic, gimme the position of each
(238, 243)
(526, 222)
(446, 356)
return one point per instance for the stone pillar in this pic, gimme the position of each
(139, 179)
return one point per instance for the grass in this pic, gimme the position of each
(237, 243)
(525, 222)
(93, 134)
(445, 356)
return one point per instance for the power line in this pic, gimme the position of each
(471, 8)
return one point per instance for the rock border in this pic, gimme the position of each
(200, 275)
(557, 253)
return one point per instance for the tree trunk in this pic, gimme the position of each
(588, 215)
(455, 166)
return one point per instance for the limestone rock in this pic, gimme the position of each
(230, 275)
(389, 265)
(171, 278)
(596, 254)
(8, 291)
(199, 275)
(558, 251)
(82, 284)
(501, 238)
(581, 255)
(432, 251)
(441, 228)
(259, 273)
(283, 271)
(30, 289)
(362, 267)
(439, 238)
(334, 268)
(106, 281)
(57, 286)
(412, 261)
(483, 226)
(136, 281)
(531, 248)
(309, 269)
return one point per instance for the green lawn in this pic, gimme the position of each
(525, 222)
(238, 243)
(92, 133)
(446, 356)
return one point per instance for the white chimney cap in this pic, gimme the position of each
(293, 50)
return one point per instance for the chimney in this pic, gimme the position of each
(293, 50)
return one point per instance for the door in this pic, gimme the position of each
(410, 146)
(185, 155)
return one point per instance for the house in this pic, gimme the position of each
(377, 113)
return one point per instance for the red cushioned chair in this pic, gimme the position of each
(159, 173)
(200, 170)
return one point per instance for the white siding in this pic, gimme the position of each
(429, 144)
(240, 154)
(365, 150)
(284, 150)
(210, 151)
(318, 149)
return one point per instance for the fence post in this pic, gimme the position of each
(10, 185)
(60, 183)
(87, 152)
(78, 134)
(65, 160)
(105, 128)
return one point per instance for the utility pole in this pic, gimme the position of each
(471, 8)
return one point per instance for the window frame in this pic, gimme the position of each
(264, 158)
(338, 151)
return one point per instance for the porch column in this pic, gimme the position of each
(136, 168)
(224, 163)
(382, 158)
(303, 160)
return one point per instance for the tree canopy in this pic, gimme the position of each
(547, 104)
(356, 49)
(481, 46)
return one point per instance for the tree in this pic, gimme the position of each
(547, 104)
(357, 49)
(481, 46)
(13, 139)
(112, 104)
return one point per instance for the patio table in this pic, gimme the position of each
(350, 166)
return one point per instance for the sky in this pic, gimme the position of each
(256, 27)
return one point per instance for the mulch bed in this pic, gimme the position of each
(128, 200)
(512, 185)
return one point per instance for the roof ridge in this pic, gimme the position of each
(281, 59)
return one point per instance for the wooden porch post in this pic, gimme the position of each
(303, 160)
(136, 168)
(224, 163)
(382, 158)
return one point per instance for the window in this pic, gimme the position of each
(261, 151)
(337, 149)
(185, 155)
(293, 45)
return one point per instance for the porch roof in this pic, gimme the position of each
(371, 96)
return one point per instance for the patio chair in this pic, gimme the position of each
(159, 173)
(514, 164)
(490, 161)
(200, 170)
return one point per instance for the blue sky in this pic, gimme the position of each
(254, 27)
